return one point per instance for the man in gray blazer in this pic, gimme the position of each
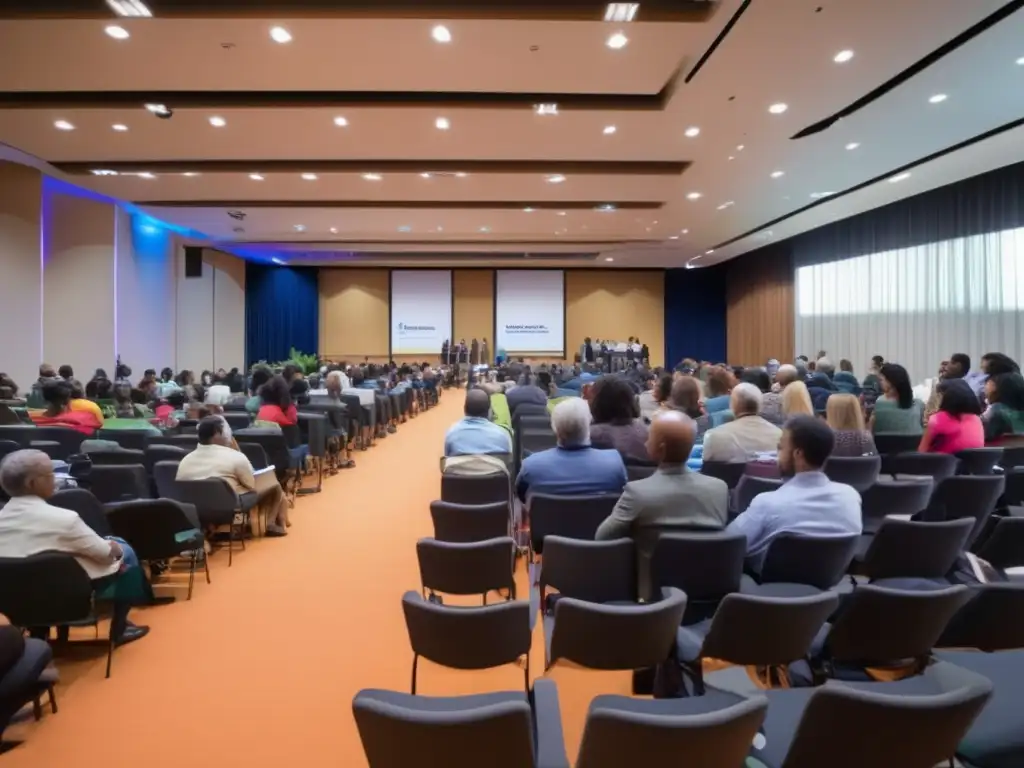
(673, 497)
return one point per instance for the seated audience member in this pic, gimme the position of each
(844, 415)
(46, 375)
(657, 397)
(29, 525)
(749, 434)
(844, 380)
(214, 457)
(796, 401)
(1005, 415)
(261, 374)
(476, 434)
(771, 402)
(996, 363)
(673, 497)
(685, 398)
(277, 404)
(616, 422)
(67, 373)
(124, 408)
(166, 383)
(872, 381)
(960, 368)
(218, 393)
(820, 385)
(525, 394)
(172, 407)
(719, 384)
(808, 502)
(573, 467)
(79, 402)
(956, 426)
(896, 410)
(58, 413)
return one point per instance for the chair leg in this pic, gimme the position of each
(231, 543)
(53, 699)
(110, 654)
(206, 566)
(415, 662)
(191, 575)
(37, 707)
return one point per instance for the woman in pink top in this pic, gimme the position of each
(957, 424)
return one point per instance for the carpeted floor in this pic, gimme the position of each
(260, 667)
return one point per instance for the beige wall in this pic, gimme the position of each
(615, 304)
(473, 297)
(21, 190)
(354, 314)
(210, 311)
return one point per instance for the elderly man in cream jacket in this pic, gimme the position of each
(747, 435)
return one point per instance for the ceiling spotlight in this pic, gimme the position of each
(561, 213)
(731, 157)
(621, 12)
(300, 227)
(334, 230)
(280, 35)
(485, 229)
(405, 228)
(692, 132)
(740, 147)
(116, 32)
(555, 178)
(341, 122)
(442, 124)
(843, 56)
(120, 127)
(277, 260)
(608, 258)
(256, 176)
(938, 98)
(146, 175)
(190, 174)
(1020, 61)
(546, 109)
(161, 110)
(461, 175)
(853, 145)
(819, 195)
(440, 228)
(606, 207)
(63, 125)
(673, 237)
(778, 174)
(104, 173)
(309, 177)
(899, 177)
(617, 40)
(425, 175)
(528, 209)
(609, 130)
(709, 251)
(441, 34)
(727, 204)
(694, 196)
(372, 176)
(218, 122)
(135, 8)
(685, 231)
(778, 109)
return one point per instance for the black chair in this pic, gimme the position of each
(595, 571)
(237, 420)
(907, 549)
(476, 489)
(972, 496)
(1013, 495)
(469, 522)
(797, 565)
(132, 439)
(978, 461)
(938, 466)
(154, 454)
(749, 488)
(1013, 457)
(188, 442)
(21, 675)
(8, 446)
(473, 568)
(88, 507)
(729, 471)
(122, 458)
(639, 471)
(894, 497)
(313, 428)
(157, 529)
(890, 444)
(275, 447)
(119, 483)
(860, 472)
(69, 441)
(165, 475)
(216, 504)
(1002, 543)
(992, 620)
(255, 454)
(575, 517)
(705, 566)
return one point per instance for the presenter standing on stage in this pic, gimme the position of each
(444, 353)
(485, 353)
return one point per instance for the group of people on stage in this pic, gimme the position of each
(476, 353)
(612, 356)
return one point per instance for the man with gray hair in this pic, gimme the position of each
(573, 467)
(29, 525)
(826, 366)
(771, 403)
(747, 435)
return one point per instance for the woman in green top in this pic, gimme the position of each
(896, 411)
(1005, 415)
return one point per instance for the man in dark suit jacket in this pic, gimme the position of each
(673, 497)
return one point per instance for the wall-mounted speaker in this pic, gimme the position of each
(193, 261)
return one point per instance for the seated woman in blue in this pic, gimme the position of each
(719, 384)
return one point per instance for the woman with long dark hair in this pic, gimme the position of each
(956, 426)
(896, 411)
(1005, 414)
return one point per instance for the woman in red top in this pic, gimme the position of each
(957, 424)
(58, 413)
(276, 403)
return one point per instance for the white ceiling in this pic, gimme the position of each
(779, 51)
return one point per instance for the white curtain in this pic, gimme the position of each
(916, 306)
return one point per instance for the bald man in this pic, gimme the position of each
(476, 434)
(673, 497)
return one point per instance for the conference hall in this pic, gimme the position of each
(526, 384)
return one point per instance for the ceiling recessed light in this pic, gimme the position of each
(160, 110)
(740, 147)
(440, 228)
(899, 177)
(129, 8)
(693, 196)
(609, 130)
(372, 176)
(709, 251)
(843, 56)
(727, 204)
(405, 228)
(256, 176)
(441, 34)
(190, 174)
(120, 127)
(104, 173)
(731, 157)
(425, 175)
(334, 230)
(692, 131)
(63, 125)
(277, 260)
(116, 32)
(606, 207)
(778, 174)
(546, 109)
(340, 121)
(621, 12)
(485, 229)
(442, 124)
(819, 195)
(853, 145)
(555, 178)
(461, 175)
(608, 258)
(146, 175)
(561, 213)
(300, 227)
(617, 40)
(778, 109)
(309, 177)
(938, 98)
(280, 35)
(218, 122)
(528, 209)
(685, 231)
(673, 237)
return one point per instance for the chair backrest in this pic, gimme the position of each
(119, 483)
(476, 489)
(1014, 491)
(574, 517)
(69, 440)
(154, 454)
(624, 637)
(978, 461)
(861, 472)
(880, 625)
(639, 471)
(164, 474)
(149, 526)
(397, 731)
(729, 471)
(706, 566)
(535, 420)
(44, 589)
(116, 458)
(906, 548)
(1004, 546)
(273, 444)
(467, 637)
(894, 497)
(721, 738)
(844, 727)
(750, 487)
(132, 439)
(891, 443)
(237, 420)
(529, 409)
(595, 571)
(292, 435)
(938, 466)
(473, 568)
(534, 440)
(820, 561)
(763, 631)
(214, 499)
(1013, 457)
(992, 620)
(313, 427)
(8, 446)
(255, 454)
(970, 496)
(88, 507)
(469, 522)
(21, 434)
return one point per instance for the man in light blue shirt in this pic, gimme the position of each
(808, 502)
(477, 434)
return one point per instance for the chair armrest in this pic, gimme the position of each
(547, 725)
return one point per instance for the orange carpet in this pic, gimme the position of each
(260, 667)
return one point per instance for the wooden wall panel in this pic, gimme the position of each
(616, 304)
(354, 314)
(473, 294)
(759, 316)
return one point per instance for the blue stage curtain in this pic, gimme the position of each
(695, 314)
(282, 310)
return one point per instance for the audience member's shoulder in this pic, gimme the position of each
(843, 490)
(709, 483)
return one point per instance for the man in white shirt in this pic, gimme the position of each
(747, 435)
(29, 525)
(215, 457)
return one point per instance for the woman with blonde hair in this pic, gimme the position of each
(847, 421)
(796, 400)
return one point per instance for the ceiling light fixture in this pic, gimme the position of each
(1020, 61)
(334, 230)
(146, 175)
(900, 177)
(709, 251)
(852, 145)
(119, 127)
(555, 178)
(190, 174)
(405, 228)
(606, 207)
(160, 110)
(63, 125)
(442, 124)
(441, 34)
(485, 229)
(685, 231)
(608, 258)
(129, 8)
(727, 204)
(461, 175)
(372, 176)
(617, 40)
(546, 109)
(280, 35)
(300, 227)
(528, 209)
(609, 130)
(425, 175)
(938, 98)
(561, 213)
(277, 260)
(673, 237)
(740, 147)
(778, 174)
(819, 195)
(694, 196)
(116, 32)
(218, 122)
(102, 172)
(621, 11)
(256, 176)
(778, 109)
(340, 121)
(309, 177)
(692, 132)
(731, 157)
(843, 56)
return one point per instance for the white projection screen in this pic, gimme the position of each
(421, 310)
(529, 309)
